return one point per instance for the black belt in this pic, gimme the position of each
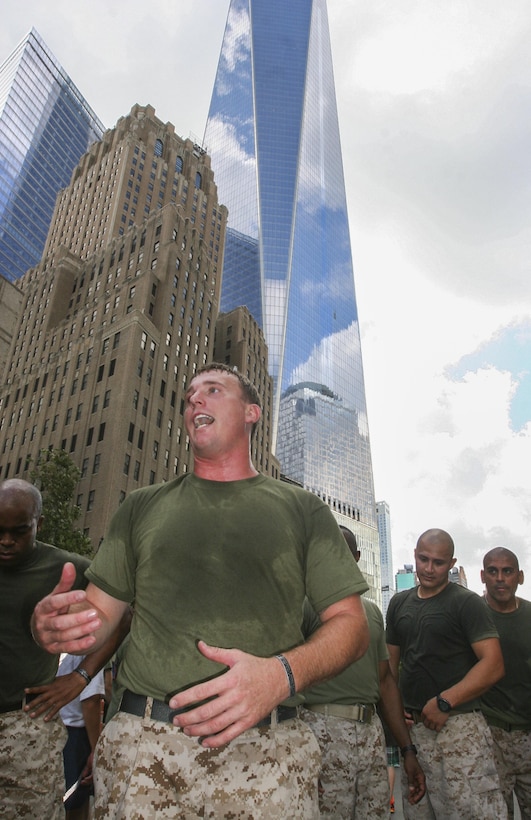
(138, 705)
(17, 705)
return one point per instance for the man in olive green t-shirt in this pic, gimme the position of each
(208, 558)
(507, 705)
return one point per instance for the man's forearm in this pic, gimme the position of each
(91, 708)
(392, 710)
(341, 640)
(97, 659)
(478, 680)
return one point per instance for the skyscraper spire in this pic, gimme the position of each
(273, 136)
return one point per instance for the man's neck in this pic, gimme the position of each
(230, 470)
(505, 607)
(429, 593)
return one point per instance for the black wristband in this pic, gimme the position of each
(289, 674)
(84, 674)
(409, 748)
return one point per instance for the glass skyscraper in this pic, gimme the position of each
(45, 128)
(273, 136)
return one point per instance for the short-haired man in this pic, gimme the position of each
(343, 715)
(218, 562)
(507, 705)
(444, 640)
(31, 761)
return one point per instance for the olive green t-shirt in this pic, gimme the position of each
(226, 562)
(359, 682)
(22, 662)
(435, 636)
(509, 699)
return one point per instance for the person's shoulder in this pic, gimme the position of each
(55, 555)
(154, 490)
(287, 490)
(402, 596)
(373, 612)
(467, 595)
(371, 607)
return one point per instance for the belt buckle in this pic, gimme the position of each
(364, 714)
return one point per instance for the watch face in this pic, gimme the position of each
(443, 705)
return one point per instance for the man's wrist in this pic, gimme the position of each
(289, 674)
(84, 674)
(410, 747)
(443, 704)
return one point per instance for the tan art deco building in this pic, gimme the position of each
(117, 317)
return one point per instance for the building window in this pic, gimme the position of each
(179, 165)
(158, 148)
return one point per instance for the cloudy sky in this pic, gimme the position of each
(434, 101)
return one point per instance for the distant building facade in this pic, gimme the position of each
(117, 317)
(239, 342)
(46, 125)
(405, 578)
(457, 575)
(386, 552)
(10, 305)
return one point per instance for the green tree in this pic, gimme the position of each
(56, 476)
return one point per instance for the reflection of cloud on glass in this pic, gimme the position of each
(236, 47)
(237, 165)
(336, 286)
(321, 170)
(322, 367)
(275, 307)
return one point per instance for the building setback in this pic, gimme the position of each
(46, 125)
(386, 553)
(239, 342)
(273, 136)
(117, 316)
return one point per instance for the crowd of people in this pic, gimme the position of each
(254, 675)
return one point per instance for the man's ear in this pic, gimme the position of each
(40, 522)
(252, 413)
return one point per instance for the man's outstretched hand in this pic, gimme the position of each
(64, 620)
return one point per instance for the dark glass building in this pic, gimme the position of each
(45, 128)
(273, 136)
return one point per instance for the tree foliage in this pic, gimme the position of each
(56, 476)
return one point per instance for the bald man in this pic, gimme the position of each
(443, 637)
(31, 761)
(507, 705)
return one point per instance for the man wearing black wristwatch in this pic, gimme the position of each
(442, 638)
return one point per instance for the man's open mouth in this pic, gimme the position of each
(202, 421)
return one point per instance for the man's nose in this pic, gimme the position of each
(6, 538)
(195, 398)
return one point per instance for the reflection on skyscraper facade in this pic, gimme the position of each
(273, 136)
(45, 128)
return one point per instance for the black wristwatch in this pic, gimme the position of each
(443, 704)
